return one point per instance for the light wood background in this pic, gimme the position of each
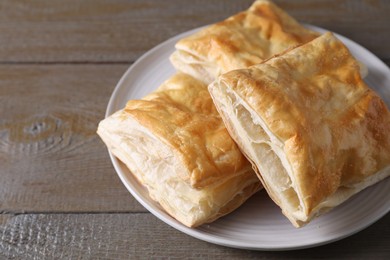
(59, 63)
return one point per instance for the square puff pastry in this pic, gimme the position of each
(240, 41)
(316, 133)
(176, 145)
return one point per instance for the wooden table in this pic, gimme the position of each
(60, 60)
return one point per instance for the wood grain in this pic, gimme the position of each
(51, 159)
(119, 236)
(98, 30)
(120, 31)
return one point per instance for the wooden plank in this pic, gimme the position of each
(365, 22)
(124, 236)
(98, 30)
(50, 157)
(120, 31)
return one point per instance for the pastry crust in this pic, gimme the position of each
(311, 126)
(176, 145)
(242, 40)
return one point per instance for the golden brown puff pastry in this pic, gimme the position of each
(177, 146)
(242, 40)
(307, 121)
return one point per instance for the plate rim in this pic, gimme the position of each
(193, 231)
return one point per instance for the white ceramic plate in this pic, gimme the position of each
(259, 223)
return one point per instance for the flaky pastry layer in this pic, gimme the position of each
(176, 145)
(242, 40)
(316, 133)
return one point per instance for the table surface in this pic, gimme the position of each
(60, 196)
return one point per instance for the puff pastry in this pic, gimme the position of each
(242, 40)
(316, 133)
(177, 146)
